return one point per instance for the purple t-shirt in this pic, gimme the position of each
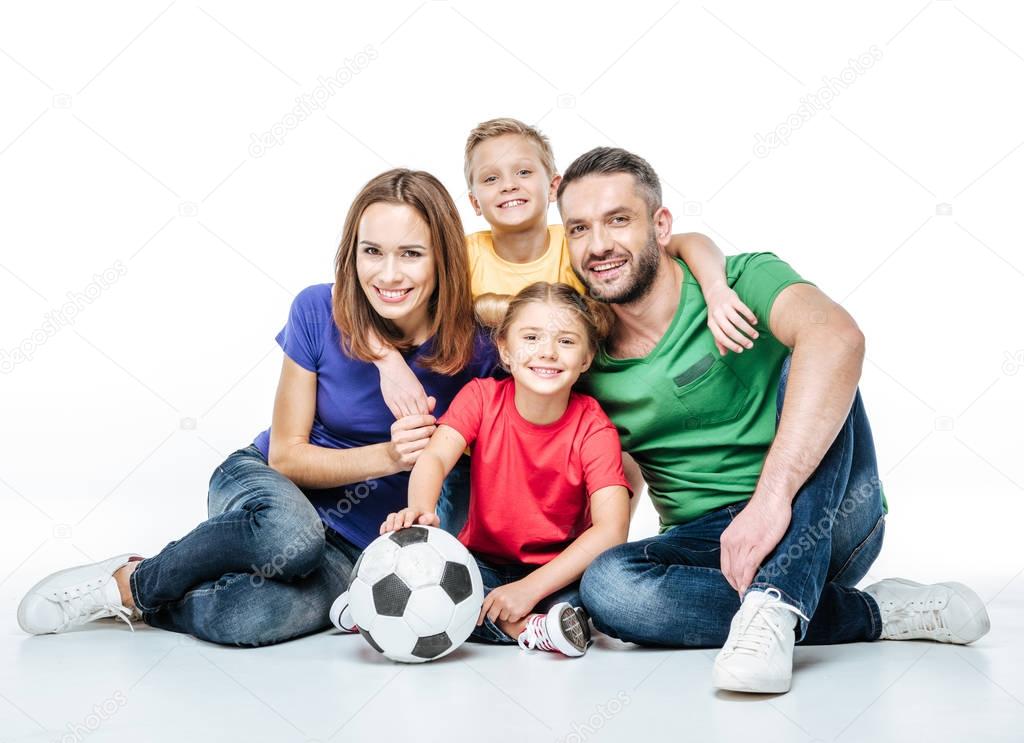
(350, 410)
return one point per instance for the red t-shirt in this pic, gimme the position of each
(530, 485)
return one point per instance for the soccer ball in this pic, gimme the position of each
(415, 594)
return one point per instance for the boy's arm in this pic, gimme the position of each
(435, 462)
(402, 391)
(729, 319)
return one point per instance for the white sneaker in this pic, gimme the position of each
(758, 654)
(943, 612)
(75, 596)
(341, 615)
(564, 629)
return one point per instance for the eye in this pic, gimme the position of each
(619, 220)
(530, 337)
(488, 179)
(525, 172)
(412, 254)
(371, 251)
(576, 229)
(568, 341)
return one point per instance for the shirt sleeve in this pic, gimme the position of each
(601, 455)
(302, 336)
(758, 278)
(465, 412)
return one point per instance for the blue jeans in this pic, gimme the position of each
(669, 590)
(260, 570)
(498, 575)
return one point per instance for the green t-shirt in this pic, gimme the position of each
(699, 424)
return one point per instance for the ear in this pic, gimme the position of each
(662, 220)
(475, 204)
(553, 189)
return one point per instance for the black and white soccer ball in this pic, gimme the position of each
(415, 594)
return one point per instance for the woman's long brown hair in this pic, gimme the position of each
(450, 307)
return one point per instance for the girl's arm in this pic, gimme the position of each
(433, 465)
(729, 319)
(609, 513)
(311, 466)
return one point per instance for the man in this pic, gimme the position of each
(770, 512)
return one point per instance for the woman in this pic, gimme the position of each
(290, 514)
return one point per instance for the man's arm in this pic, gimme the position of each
(828, 354)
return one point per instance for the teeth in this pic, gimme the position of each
(514, 202)
(393, 294)
(544, 372)
(608, 267)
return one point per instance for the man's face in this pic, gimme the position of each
(613, 244)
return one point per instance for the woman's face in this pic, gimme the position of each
(395, 265)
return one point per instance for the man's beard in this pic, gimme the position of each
(643, 276)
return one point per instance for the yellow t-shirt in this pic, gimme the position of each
(489, 272)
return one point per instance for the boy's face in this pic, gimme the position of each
(510, 187)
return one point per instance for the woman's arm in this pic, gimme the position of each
(311, 466)
(609, 512)
(434, 464)
(729, 319)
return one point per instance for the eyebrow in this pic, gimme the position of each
(560, 332)
(400, 247)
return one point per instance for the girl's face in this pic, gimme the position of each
(395, 265)
(546, 348)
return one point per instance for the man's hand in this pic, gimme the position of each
(510, 602)
(752, 535)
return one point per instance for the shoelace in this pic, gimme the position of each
(756, 629)
(905, 620)
(535, 635)
(79, 606)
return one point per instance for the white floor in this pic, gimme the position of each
(104, 683)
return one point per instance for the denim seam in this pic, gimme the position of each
(807, 574)
(858, 549)
(134, 588)
(873, 611)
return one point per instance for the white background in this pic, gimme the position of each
(125, 137)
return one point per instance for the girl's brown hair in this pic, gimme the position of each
(450, 307)
(595, 316)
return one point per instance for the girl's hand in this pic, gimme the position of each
(408, 517)
(409, 437)
(510, 602)
(729, 319)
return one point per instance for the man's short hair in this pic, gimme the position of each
(497, 127)
(611, 160)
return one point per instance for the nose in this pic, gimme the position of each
(391, 270)
(600, 242)
(548, 347)
(509, 185)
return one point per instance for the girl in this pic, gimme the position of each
(290, 514)
(547, 489)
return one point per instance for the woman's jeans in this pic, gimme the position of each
(669, 590)
(499, 575)
(262, 569)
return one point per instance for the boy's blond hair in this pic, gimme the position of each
(498, 127)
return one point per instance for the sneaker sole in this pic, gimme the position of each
(573, 641)
(730, 682)
(35, 588)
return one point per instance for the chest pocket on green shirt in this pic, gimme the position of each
(710, 392)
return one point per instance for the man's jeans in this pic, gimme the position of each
(262, 569)
(669, 590)
(499, 575)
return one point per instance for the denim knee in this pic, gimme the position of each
(603, 586)
(290, 536)
(233, 614)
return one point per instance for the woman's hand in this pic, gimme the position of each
(729, 319)
(409, 437)
(408, 517)
(510, 602)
